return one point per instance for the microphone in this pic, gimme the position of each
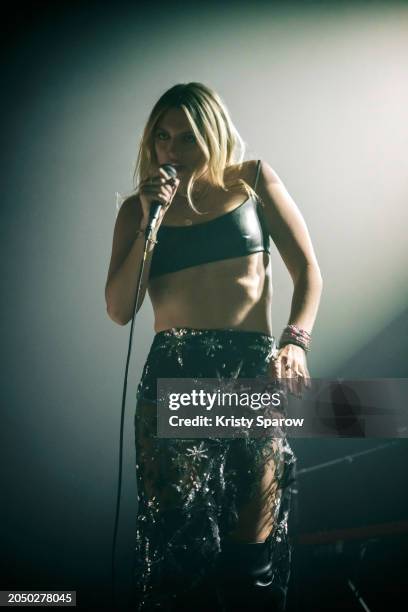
(156, 206)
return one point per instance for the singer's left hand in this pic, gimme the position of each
(290, 363)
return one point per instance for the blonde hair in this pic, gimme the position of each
(214, 131)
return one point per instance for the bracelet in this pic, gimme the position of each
(295, 335)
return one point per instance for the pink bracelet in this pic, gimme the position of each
(295, 335)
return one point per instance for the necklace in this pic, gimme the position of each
(188, 220)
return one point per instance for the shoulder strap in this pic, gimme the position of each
(258, 167)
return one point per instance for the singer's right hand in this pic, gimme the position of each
(160, 188)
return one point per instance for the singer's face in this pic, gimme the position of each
(176, 144)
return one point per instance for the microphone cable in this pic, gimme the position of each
(170, 169)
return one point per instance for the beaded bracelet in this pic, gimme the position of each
(295, 335)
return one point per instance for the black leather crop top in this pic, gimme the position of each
(239, 232)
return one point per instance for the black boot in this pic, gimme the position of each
(246, 578)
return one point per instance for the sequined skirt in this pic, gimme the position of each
(190, 491)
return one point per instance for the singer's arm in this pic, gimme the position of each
(126, 259)
(290, 234)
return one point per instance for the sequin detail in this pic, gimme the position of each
(191, 491)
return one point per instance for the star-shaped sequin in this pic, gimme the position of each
(197, 452)
(212, 344)
(175, 343)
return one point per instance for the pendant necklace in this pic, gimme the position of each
(187, 220)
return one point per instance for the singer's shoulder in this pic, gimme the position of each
(130, 202)
(131, 208)
(246, 170)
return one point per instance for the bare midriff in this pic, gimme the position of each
(232, 293)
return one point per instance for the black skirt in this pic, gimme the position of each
(190, 491)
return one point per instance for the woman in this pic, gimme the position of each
(212, 516)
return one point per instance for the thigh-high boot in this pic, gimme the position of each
(245, 578)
